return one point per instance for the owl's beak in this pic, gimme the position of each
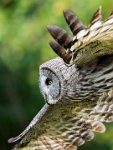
(45, 97)
(47, 102)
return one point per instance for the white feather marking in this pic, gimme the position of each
(95, 25)
(81, 34)
(104, 28)
(74, 38)
(77, 44)
(110, 21)
(92, 34)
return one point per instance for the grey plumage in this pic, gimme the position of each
(77, 88)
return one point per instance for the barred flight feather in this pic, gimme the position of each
(92, 41)
(73, 22)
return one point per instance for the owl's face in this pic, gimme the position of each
(50, 85)
(56, 80)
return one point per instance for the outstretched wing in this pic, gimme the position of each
(65, 126)
(88, 43)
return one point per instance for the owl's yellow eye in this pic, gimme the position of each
(48, 81)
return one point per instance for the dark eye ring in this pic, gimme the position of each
(48, 81)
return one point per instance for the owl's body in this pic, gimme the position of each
(77, 88)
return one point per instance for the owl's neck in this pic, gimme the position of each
(96, 78)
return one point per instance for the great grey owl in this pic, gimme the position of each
(77, 87)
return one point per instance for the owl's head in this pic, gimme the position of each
(55, 79)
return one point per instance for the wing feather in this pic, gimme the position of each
(72, 131)
(89, 42)
(96, 17)
(104, 109)
(93, 42)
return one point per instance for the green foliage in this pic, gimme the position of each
(23, 47)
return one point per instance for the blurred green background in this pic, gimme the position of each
(23, 47)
